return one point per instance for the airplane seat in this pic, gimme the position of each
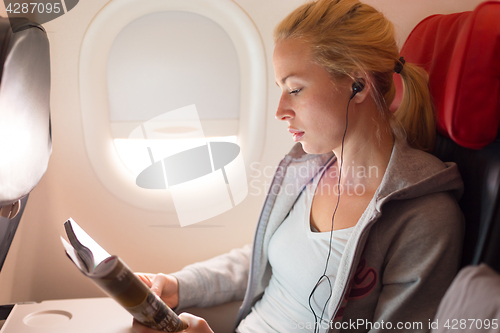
(25, 133)
(460, 52)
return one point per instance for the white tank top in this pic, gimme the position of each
(298, 257)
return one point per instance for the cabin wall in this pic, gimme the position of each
(37, 268)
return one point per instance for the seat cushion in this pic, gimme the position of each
(470, 298)
(461, 54)
(25, 137)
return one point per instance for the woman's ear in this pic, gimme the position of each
(360, 89)
(357, 87)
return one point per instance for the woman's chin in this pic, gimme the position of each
(311, 149)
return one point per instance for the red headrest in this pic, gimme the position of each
(461, 53)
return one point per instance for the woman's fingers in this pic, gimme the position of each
(147, 278)
(160, 285)
(195, 324)
(165, 286)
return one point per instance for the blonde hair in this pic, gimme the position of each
(346, 37)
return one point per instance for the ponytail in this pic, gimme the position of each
(415, 113)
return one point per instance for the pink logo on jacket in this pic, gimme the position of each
(362, 284)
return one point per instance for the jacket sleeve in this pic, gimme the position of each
(421, 260)
(215, 281)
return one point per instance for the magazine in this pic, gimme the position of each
(117, 280)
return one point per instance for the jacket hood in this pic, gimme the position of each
(413, 173)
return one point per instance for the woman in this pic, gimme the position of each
(360, 230)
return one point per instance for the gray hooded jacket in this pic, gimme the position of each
(401, 257)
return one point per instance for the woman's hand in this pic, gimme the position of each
(165, 286)
(195, 325)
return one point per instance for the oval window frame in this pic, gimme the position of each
(94, 53)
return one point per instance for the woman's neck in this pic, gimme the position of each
(366, 153)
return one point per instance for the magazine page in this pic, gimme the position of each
(71, 253)
(91, 253)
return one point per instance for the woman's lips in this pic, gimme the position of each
(297, 135)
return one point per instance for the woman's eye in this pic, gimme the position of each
(295, 91)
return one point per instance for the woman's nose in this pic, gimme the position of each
(284, 111)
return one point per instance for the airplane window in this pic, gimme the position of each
(162, 62)
(141, 60)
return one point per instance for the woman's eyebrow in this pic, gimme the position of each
(283, 80)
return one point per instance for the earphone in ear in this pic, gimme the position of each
(356, 88)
